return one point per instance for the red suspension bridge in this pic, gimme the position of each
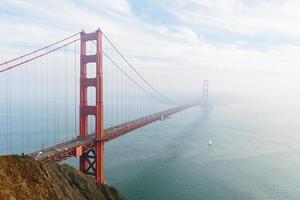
(69, 98)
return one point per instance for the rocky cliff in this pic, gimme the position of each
(23, 178)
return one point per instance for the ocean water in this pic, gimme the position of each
(255, 155)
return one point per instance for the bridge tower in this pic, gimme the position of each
(205, 96)
(92, 161)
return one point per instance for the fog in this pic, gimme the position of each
(242, 142)
(247, 49)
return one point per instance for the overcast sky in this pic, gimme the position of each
(242, 46)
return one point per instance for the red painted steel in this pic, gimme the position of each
(78, 151)
(90, 147)
(92, 160)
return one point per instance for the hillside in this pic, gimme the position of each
(23, 178)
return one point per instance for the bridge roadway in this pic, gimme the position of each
(66, 150)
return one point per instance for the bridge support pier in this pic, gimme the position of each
(92, 161)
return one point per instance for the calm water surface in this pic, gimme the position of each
(255, 155)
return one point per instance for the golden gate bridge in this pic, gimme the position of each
(69, 98)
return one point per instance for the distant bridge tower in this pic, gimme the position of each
(205, 96)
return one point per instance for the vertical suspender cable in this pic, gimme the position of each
(7, 114)
(112, 98)
(10, 114)
(27, 102)
(66, 93)
(117, 95)
(41, 83)
(75, 92)
(47, 101)
(35, 107)
(22, 109)
(121, 93)
(54, 99)
(57, 104)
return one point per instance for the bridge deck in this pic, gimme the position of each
(67, 149)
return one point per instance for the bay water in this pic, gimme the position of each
(254, 155)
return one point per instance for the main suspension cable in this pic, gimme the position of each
(33, 52)
(131, 66)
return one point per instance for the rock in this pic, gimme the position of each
(23, 178)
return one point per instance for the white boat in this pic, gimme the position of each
(209, 142)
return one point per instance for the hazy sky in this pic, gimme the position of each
(242, 46)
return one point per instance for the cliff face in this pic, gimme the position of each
(23, 178)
